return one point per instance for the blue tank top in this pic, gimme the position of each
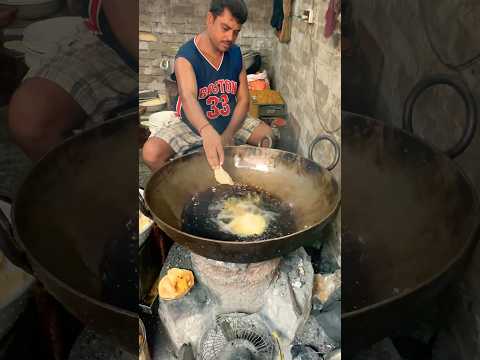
(217, 87)
(97, 22)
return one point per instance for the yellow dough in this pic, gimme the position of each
(176, 284)
(222, 176)
(248, 225)
(143, 222)
(243, 217)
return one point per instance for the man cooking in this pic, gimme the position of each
(213, 99)
(86, 79)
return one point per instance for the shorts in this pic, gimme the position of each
(182, 139)
(91, 72)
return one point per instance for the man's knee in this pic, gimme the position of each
(267, 130)
(24, 120)
(39, 107)
(156, 152)
(260, 133)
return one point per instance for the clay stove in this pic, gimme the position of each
(271, 299)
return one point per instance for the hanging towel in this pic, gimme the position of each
(331, 17)
(277, 16)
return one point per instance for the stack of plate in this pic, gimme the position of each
(16, 47)
(147, 94)
(34, 9)
(154, 104)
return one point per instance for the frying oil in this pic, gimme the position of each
(237, 213)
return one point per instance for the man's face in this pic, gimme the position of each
(223, 30)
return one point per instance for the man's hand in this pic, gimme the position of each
(240, 112)
(212, 143)
(227, 138)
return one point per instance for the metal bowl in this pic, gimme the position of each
(143, 352)
(143, 235)
(17, 297)
(310, 190)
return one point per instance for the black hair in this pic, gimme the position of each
(237, 8)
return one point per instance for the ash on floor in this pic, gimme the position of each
(321, 335)
(322, 332)
(90, 346)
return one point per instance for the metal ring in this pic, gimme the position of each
(269, 139)
(336, 148)
(465, 94)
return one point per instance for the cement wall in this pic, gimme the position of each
(397, 28)
(308, 73)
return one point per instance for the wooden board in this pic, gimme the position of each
(259, 98)
(267, 97)
(284, 34)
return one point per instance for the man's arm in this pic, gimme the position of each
(187, 90)
(122, 17)
(241, 109)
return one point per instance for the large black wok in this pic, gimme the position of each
(310, 189)
(75, 225)
(409, 221)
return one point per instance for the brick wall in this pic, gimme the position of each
(177, 21)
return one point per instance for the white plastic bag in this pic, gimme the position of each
(259, 76)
